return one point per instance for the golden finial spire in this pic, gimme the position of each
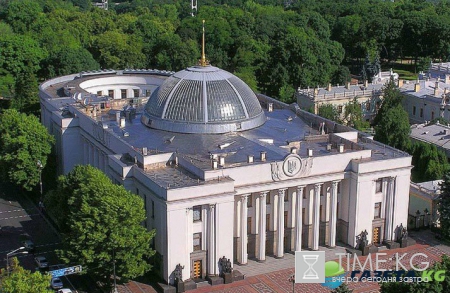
(203, 61)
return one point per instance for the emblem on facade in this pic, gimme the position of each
(292, 166)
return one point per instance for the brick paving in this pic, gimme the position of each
(277, 281)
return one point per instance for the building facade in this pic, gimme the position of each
(224, 172)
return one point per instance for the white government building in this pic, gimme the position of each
(223, 172)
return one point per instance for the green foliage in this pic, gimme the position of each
(100, 222)
(20, 280)
(330, 112)
(444, 206)
(353, 115)
(391, 98)
(394, 128)
(343, 288)
(22, 13)
(68, 61)
(420, 287)
(429, 162)
(23, 141)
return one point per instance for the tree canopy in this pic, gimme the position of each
(20, 280)
(444, 206)
(23, 142)
(101, 222)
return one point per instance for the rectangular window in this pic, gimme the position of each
(137, 191)
(304, 193)
(153, 209)
(99, 93)
(304, 216)
(432, 115)
(421, 112)
(268, 198)
(268, 222)
(368, 106)
(197, 241)
(123, 94)
(323, 190)
(321, 213)
(249, 201)
(197, 213)
(286, 196)
(136, 93)
(379, 185)
(249, 225)
(377, 210)
(414, 110)
(111, 93)
(340, 109)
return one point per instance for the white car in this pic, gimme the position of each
(56, 283)
(41, 261)
(64, 290)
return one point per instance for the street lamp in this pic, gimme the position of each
(40, 166)
(13, 253)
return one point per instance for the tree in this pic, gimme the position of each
(394, 129)
(444, 206)
(20, 280)
(101, 223)
(343, 288)
(429, 162)
(23, 142)
(329, 111)
(353, 115)
(391, 98)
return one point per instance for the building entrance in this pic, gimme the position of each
(376, 235)
(197, 269)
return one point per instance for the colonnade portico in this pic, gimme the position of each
(274, 209)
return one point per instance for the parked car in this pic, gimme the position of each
(41, 262)
(64, 290)
(56, 283)
(29, 245)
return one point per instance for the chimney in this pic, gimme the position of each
(400, 83)
(329, 87)
(250, 159)
(447, 78)
(447, 131)
(417, 86)
(436, 88)
(341, 148)
(293, 150)
(221, 161)
(270, 107)
(310, 152)
(329, 146)
(144, 151)
(347, 85)
(214, 164)
(263, 156)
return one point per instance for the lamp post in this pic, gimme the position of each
(40, 166)
(13, 253)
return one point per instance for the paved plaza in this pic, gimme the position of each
(273, 275)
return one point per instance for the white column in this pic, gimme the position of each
(389, 209)
(316, 215)
(262, 226)
(211, 240)
(298, 218)
(243, 256)
(189, 240)
(333, 212)
(280, 224)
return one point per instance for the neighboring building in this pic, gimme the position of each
(423, 204)
(368, 95)
(436, 134)
(221, 175)
(429, 97)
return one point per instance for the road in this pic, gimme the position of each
(20, 216)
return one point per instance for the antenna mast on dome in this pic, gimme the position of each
(203, 61)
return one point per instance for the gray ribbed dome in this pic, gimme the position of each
(203, 99)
